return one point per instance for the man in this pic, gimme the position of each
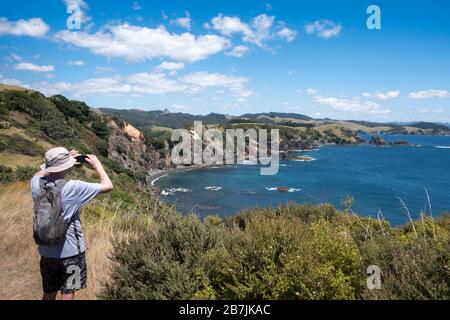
(63, 266)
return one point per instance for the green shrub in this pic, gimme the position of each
(167, 263)
(24, 173)
(100, 128)
(6, 174)
(102, 147)
(293, 252)
(72, 109)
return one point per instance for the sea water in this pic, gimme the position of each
(376, 177)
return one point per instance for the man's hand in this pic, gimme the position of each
(93, 162)
(105, 182)
(74, 153)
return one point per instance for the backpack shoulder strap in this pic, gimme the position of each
(59, 185)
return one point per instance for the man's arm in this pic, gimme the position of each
(41, 173)
(105, 183)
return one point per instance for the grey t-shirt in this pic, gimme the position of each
(74, 195)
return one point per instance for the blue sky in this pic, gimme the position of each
(312, 57)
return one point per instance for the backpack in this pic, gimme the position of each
(49, 226)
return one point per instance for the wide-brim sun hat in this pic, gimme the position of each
(58, 160)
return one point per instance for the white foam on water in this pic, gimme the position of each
(166, 193)
(442, 147)
(153, 182)
(304, 160)
(173, 190)
(213, 188)
(276, 189)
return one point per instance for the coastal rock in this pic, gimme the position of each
(377, 141)
(291, 157)
(400, 143)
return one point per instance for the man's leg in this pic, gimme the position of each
(68, 296)
(49, 296)
(51, 277)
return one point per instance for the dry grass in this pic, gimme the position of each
(20, 276)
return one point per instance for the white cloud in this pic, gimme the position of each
(229, 25)
(286, 33)
(324, 28)
(97, 86)
(238, 51)
(154, 83)
(27, 66)
(136, 6)
(258, 31)
(135, 43)
(11, 82)
(184, 22)
(170, 66)
(352, 105)
(34, 27)
(383, 96)
(78, 63)
(149, 83)
(312, 91)
(203, 80)
(426, 94)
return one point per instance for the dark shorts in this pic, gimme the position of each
(67, 275)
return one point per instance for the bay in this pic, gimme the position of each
(374, 176)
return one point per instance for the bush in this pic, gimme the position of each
(167, 263)
(100, 128)
(56, 129)
(24, 173)
(6, 174)
(102, 147)
(294, 252)
(72, 109)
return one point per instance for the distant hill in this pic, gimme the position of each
(375, 124)
(144, 119)
(274, 115)
(429, 125)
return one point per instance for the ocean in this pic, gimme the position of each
(374, 176)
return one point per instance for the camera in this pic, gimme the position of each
(80, 160)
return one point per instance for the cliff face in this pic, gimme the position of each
(128, 146)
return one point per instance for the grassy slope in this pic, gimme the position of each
(20, 277)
